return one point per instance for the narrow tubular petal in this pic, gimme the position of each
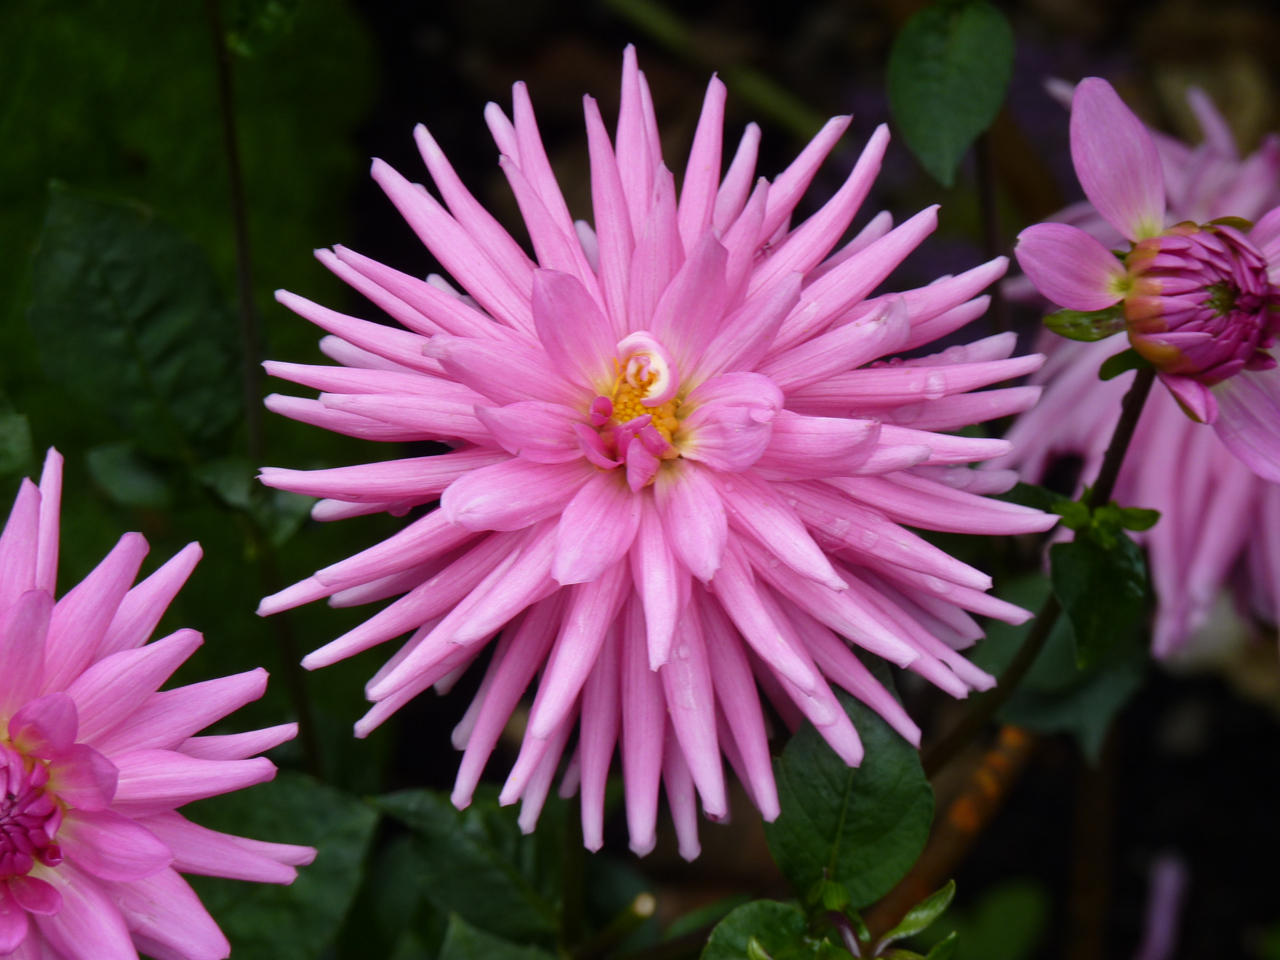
(920, 502)
(680, 796)
(736, 185)
(380, 297)
(513, 495)
(208, 853)
(661, 581)
(596, 528)
(1249, 420)
(887, 387)
(400, 346)
(612, 220)
(592, 606)
(746, 334)
(143, 606)
(844, 348)
(643, 722)
(1069, 267)
(702, 174)
(155, 780)
(171, 716)
(688, 315)
(658, 254)
(489, 368)
(19, 544)
(389, 480)
(556, 248)
(601, 720)
(112, 847)
(535, 793)
(736, 695)
(535, 430)
(50, 522)
(686, 680)
(1116, 161)
(574, 331)
(791, 184)
(730, 425)
(432, 536)
(23, 629)
(238, 746)
(803, 448)
(693, 516)
(741, 241)
(348, 424)
(81, 618)
(418, 418)
(635, 162)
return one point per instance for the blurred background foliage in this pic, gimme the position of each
(112, 162)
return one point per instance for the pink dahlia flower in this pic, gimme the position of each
(679, 467)
(1219, 520)
(1198, 301)
(94, 761)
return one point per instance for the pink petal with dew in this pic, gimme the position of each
(513, 495)
(876, 228)
(143, 606)
(686, 681)
(19, 544)
(596, 529)
(50, 522)
(84, 778)
(702, 174)
(844, 348)
(730, 425)
(1116, 161)
(693, 516)
(804, 448)
(45, 728)
(533, 429)
(13, 922)
(1069, 267)
(206, 852)
(1196, 400)
(156, 780)
(81, 618)
(114, 687)
(167, 919)
(746, 334)
(601, 721)
(112, 847)
(23, 628)
(735, 691)
(662, 583)
(1249, 420)
(88, 926)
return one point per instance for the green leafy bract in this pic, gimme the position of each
(270, 922)
(1122, 362)
(948, 72)
(1088, 326)
(864, 827)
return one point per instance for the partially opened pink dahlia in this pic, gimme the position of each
(94, 761)
(1219, 521)
(680, 465)
(1198, 301)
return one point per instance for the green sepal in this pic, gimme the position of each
(1122, 362)
(1087, 326)
(922, 914)
(1239, 223)
(828, 895)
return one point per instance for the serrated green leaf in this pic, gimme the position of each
(1088, 326)
(864, 827)
(270, 922)
(478, 864)
(948, 72)
(126, 477)
(1122, 362)
(1102, 592)
(464, 942)
(128, 316)
(922, 914)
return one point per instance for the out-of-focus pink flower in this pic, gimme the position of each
(1197, 299)
(1218, 519)
(94, 761)
(679, 468)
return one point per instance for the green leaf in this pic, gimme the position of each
(278, 512)
(1138, 519)
(476, 863)
(1029, 495)
(16, 453)
(464, 942)
(126, 477)
(255, 26)
(766, 928)
(1058, 696)
(948, 72)
(865, 826)
(270, 922)
(922, 914)
(944, 949)
(1122, 362)
(1102, 592)
(1087, 325)
(128, 315)
(704, 916)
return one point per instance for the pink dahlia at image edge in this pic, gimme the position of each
(94, 761)
(680, 464)
(1212, 291)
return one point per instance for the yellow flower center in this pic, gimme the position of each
(627, 394)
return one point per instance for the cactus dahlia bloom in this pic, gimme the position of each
(1213, 506)
(679, 470)
(94, 761)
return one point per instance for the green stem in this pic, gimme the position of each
(988, 705)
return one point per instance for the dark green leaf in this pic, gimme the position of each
(1102, 592)
(1075, 515)
(779, 932)
(922, 914)
(254, 26)
(1087, 325)
(128, 316)
(464, 942)
(1122, 362)
(126, 477)
(1057, 696)
(948, 72)
(1138, 519)
(269, 922)
(477, 864)
(16, 453)
(944, 949)
(865, 826)
(278, 512)
(1029, 495)
(704, 916)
